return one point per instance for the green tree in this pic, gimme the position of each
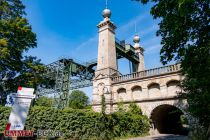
(16, 38)
(185, 30)
(103, 105)
(31, 74)
(44, 101)
(78, 100)
(134, 108)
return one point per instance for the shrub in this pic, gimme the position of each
(83, 124)
(78, 100)
(133, 108)
(198, 132)
(4, 117)
(44, 101)
(130, 123)
(74, 123)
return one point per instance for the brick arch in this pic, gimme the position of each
(165, 122)
(136, 92)
(155, 105)
(121, 94)
(171, 81)
(173, 88)
(180, 105)
(153, 84)
(121, 90)
(154, 90)
(136, 87)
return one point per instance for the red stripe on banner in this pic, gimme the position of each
(8, 125)
(19, 88)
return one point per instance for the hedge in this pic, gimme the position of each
(83, 124)
(4, 116)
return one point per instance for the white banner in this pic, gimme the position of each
(20, 108)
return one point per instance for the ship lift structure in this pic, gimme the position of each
(68, 74)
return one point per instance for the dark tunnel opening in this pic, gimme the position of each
(167, 120)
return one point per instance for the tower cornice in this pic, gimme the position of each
(106, 22)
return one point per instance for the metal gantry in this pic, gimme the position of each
(64, 75)
(68, 74)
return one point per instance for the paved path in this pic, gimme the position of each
(161, 137)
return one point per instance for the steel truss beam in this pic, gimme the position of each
(68, 74)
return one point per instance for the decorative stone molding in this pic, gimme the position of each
(100, 88)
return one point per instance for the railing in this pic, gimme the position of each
(148, 73)
(128, 47)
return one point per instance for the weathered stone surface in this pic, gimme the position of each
(149, 89)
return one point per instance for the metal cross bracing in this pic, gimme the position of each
(68, 74)
(64, 75)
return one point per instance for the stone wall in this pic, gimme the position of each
(157, 87)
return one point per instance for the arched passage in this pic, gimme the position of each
(167, 120)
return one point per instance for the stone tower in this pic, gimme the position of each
(106, 63)
(106, 46)
(140, 51)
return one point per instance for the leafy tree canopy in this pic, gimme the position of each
(185, 30)
(16, 38)
(78, 100)
(134, 108)
(44, 101)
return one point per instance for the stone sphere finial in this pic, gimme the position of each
(106, 13)
(136, 39)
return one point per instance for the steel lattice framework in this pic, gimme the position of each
(64, 75)
(68, 74)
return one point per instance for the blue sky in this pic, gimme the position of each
(68, 28)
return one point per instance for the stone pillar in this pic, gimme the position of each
(106, 45)
(106, 63)
(163, 91)
(145, 93)
(140, 52)
(129, 95)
